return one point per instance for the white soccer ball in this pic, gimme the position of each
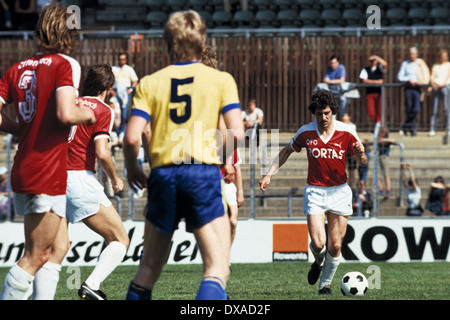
(354, 284)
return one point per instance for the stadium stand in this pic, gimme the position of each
(264, 13)
(132, 14)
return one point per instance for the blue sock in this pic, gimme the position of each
(211, 289)
(136, 292)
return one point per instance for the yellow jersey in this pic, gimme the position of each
(183, 102)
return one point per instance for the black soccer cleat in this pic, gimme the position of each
(325, 290)
(314, 273)
(86, 293)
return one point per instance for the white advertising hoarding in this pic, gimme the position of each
(367, 240)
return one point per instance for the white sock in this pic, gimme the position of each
(108, 261)
(329, 269)
(16, 284)
(318, 256)
(46, 281)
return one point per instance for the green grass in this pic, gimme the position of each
(276, 281)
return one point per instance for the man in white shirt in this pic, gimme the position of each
(126, 80)
(412, 74)
(253, 118)
(252, 115)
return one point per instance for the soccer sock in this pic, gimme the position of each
(329, 269)
(46, 281)
(136, 292)
(16, 284)
(109, 259)
(211, 288)
(318, 256)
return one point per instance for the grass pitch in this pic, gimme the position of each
(276, 281)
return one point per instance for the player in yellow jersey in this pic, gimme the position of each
(181, 104)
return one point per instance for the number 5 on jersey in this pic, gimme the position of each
(175, 98)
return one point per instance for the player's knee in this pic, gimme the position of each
(318, 244)
(42, 258)
(60, 249)
(334, 249)
(233, 221)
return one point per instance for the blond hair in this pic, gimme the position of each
(209, 57)
(185, 35)
(52, 33)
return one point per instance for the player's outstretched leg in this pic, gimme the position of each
(155, 253)
(329, 269)
(316, 228)
(337, 227)
(214, 243)
(107, 223)
(317, 265)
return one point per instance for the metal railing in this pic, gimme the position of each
(248, 32)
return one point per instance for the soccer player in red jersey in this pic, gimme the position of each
(86, 200)
(43, 89)
(327, 194)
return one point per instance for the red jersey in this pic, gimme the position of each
(40, 162)
(326, 159)
(82, 137)
(235, 160)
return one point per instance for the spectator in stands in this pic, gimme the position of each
(363, 170)
(440, 82)
(26, 12)
(351, 162)
(436, 197)
(362, 200)
(384, 148)
(413, 73)
(126, 81)
(7, 19)
(373, 74)
(413, 191)
(228, 3)
(252, 115)
(4, 196)
(447, 201)
(253, 118)
(335, 74)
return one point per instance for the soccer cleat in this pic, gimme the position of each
(325, 290)
(314, 273)
(86, 293)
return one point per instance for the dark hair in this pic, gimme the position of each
(334, 57)
(98, 79)
(439, 179)
(322, 99)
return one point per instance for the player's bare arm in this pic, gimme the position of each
(239, 186)
(104, 157)
(131, 144)
(279, 160)
(66, 110)
(360, 156)
(235, 133)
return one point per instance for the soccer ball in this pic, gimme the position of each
(354, 284)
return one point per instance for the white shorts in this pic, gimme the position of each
(40, 203)
(85, 194)
(318, 200)
(230, 193)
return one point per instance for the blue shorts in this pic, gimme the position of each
(192, 192)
